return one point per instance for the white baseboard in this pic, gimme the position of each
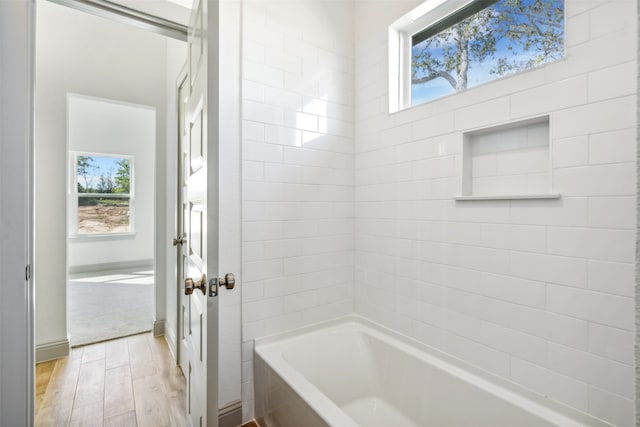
(158, 328)
(230, 415)
(144, 264)
(50, 351)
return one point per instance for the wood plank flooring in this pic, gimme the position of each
(130, 381)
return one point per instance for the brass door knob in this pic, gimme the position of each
(229, 281)
(190, 285)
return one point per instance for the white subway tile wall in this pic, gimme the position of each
(537, 291)
(298, 173)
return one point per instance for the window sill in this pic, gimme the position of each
(79, 238)
(509, 197)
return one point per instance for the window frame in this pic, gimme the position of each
(74, 197)
(425, 19)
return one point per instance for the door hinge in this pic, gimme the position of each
(28, 272)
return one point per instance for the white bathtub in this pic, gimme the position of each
(352, 372)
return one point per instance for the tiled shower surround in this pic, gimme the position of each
(348, 208)
(298, 176)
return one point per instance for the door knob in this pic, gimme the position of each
(228, 281)
(179, 241)
(190, 285)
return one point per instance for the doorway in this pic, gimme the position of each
(110, 218)
(104, 199)
(88, 66)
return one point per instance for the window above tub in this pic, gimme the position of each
(447, 46)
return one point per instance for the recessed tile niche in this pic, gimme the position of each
(509, 161)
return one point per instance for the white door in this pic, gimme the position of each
(184, 87)
(199, 260)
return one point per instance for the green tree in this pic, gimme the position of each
(105, 183)
(522, 26)
(123, 177)
(83, 165)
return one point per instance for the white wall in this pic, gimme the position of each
(106, 127)
(83, 54)
(230, 207)
(538, 291)
(17, 382)
(297, 168)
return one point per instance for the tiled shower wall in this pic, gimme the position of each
(298, 176)
(537, 291)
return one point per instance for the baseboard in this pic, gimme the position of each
(50, 351)
(144, 264)
(230, 415)
(158, 328)
(170, 338)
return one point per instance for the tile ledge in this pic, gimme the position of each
(509, 197)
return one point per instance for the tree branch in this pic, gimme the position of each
(434, 76)
(537, 18)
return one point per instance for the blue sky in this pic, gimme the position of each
(106, 164)
(101, 165)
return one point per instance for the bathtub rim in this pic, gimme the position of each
(271, 350)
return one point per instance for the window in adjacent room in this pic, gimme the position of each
(103, 194)
(447, 46)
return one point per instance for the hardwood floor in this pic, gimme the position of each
(130, 381)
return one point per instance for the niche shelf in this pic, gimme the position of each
(509, 161)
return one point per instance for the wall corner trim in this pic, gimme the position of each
(53, 350)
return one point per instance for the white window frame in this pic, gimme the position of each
(73, 196)
(401, 33)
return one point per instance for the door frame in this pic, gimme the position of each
(17, 63)
(164, 27)
(17, 370)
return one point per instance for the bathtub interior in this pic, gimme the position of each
(376, 384)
